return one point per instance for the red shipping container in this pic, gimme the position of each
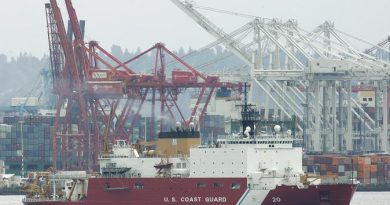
(179, 76)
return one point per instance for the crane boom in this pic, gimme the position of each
(380, 44)
(214, 30)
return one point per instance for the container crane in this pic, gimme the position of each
(322, 63)
(94, 91)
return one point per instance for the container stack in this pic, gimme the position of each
(2, 167)
(5, 131)
(373, 169)
(35, 133)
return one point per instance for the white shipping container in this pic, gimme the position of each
(351, 174)
(3, 135)
(304, 169)
(4, 128)
(24, 101)
(341, 168)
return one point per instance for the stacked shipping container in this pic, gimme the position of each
(2, 167)
(373, 169)
(36, 133)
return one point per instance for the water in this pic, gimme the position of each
(11, 200)
(371, 198)
(360, 198)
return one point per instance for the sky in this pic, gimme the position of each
(140, 24)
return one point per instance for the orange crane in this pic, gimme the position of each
(94, 91)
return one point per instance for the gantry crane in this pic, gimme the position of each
(94, 91)
(309, 75)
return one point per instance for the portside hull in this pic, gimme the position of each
(155, 191)
(337, 194)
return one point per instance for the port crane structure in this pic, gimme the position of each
(91, 83)
(310, 75)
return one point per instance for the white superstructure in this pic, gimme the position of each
(266, 160)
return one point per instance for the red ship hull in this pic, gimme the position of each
(153, 191)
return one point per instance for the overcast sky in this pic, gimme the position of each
(142, 23)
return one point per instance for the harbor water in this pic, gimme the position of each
(360, 198)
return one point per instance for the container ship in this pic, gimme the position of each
(253, 167)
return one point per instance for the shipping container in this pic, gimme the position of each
(180, 76)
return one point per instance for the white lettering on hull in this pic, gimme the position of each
(196, 199)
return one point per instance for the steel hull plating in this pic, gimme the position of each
(152, 191)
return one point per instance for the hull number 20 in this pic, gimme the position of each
(276, 199)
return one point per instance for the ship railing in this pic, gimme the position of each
(40, 199)
(174, 155)
(257, 137)
(71, 176)
(147, 156)
(122, 146)
(114, 156)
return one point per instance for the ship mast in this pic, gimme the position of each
(249, 116)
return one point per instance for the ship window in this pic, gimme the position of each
(200, 185)
(218, 185)
(324, 196)
(240, 142)
(235, 186)
(184, 165)
(178, 165)
(138, 186)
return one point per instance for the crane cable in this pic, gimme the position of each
(233, 13)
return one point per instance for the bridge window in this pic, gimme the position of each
(324, 195)
(235, 186)
(218, 185)
(138, 186)
(200, 185)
